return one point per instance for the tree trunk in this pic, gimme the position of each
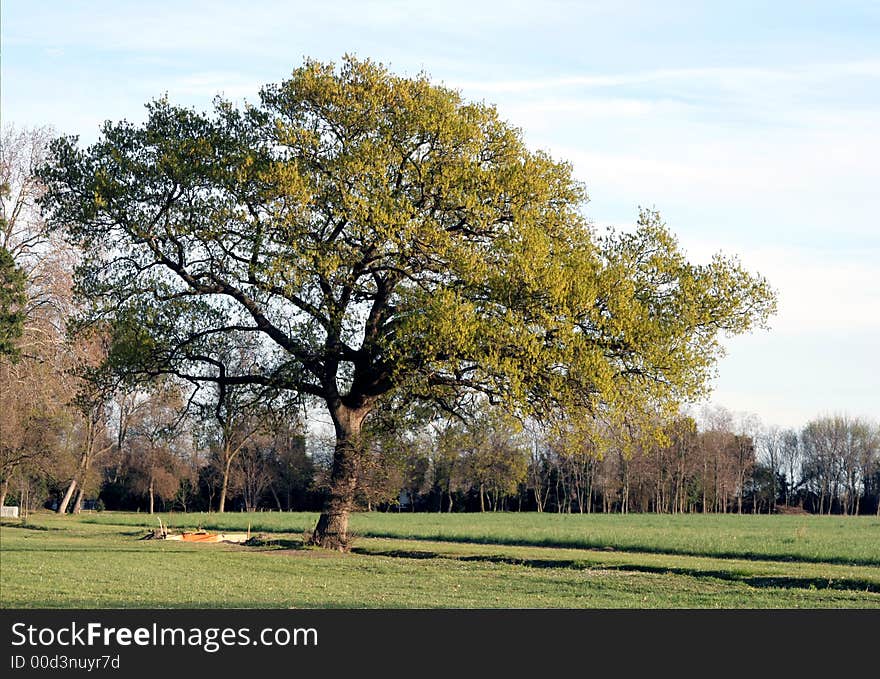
(78, 501)
(25, 498)
(62, 508)
(4, 490)
(275, 497)
(224, 486)
(152, 496)
(332, 529)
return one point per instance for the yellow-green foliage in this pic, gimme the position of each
(388, 237)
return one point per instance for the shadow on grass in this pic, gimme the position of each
(551, 542)
(627, 549)
(180, 547)
(272, 543)
(763, 581)
(28, 526)
(103, 549)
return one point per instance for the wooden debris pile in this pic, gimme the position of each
(162, 533)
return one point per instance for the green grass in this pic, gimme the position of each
(819, 539)
(500, 560)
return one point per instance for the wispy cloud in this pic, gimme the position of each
(207, 84)
(724, 77)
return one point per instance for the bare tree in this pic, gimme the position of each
(791, 460)
(868, 457)
(239, 413)
(748, 432)
(824, 441)
(540, 465)
(252, 471)
(46, 260)
(90, 405)
(36, 394)
(154, 434)
(772, 444)
(22, 152)
(293, 471)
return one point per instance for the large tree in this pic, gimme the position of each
(383, 239)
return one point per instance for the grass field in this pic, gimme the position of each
(458, 560)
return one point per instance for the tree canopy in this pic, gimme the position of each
(365, 237)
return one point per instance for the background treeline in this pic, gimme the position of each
(73, 438)
(143, 451)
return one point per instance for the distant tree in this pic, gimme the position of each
(293, 469)
(36, 421)
(868, 447)
(862, 457)
(418, 473)
(718, 450)
(32, 423)
(497, 458)
(252, 471)
(94, 389)
(23, 236)
(381, 474)
(824, 441)
(759, 487)
(234, 415)
(577, 451)
(748, 431)
(267, 451)
(187, 465)
(23, 232)
(790, 456)
(839, 454)
(157, 443)
(771, 445)
(540, 466)
(682, 441)
(27, 246)
(12, 302)
(392, 458)
(381, 237)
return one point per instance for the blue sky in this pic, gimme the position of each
(751, 126)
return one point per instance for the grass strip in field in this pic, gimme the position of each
(808, 539)
(750, 572)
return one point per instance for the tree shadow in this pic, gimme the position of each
(631, 549)
(757, 581)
